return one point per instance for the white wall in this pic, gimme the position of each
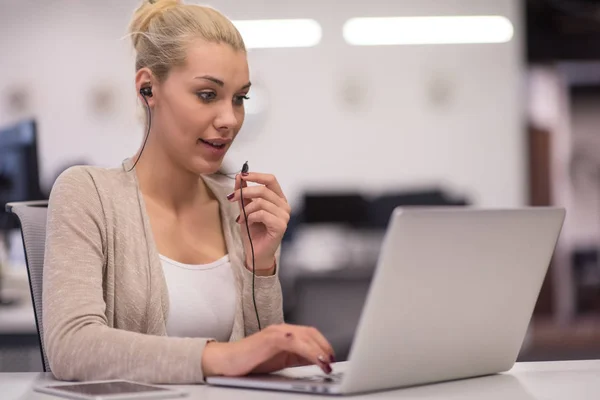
(395, 135)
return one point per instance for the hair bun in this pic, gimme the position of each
(145, 14)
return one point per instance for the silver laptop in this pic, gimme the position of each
(452, 296)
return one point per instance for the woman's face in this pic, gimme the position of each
(199, 108)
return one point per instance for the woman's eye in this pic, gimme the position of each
(206, 96)
(239, 100)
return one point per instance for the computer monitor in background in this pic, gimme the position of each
(19, 176)
(347, 208)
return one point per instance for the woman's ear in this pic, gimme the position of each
(144, 82)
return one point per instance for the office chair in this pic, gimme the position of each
(32, 219)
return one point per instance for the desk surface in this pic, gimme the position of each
(573, 380)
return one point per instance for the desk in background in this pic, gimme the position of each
(573, 380)
(19, 342)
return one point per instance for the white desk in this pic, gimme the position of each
(572, 380)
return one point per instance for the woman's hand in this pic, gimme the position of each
(274, 348)
(268, 214)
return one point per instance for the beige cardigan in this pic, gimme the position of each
(105, 300)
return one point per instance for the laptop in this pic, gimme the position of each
(451, 297)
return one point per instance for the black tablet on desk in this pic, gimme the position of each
(110, 390)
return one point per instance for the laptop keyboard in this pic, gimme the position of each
(334, 377)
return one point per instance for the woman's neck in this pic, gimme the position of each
(167, 183)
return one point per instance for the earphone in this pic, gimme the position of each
(147, 92)
(245, 169)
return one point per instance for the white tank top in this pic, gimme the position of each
(202, 299)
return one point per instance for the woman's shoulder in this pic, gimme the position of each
(86, 189)
(81, 178)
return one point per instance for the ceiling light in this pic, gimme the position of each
(428, 30)
(274, 33)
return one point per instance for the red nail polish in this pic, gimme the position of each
(332, 358)
(288, 335)
(244, 174)
(328, 369)
(230, 196)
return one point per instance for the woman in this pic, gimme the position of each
(148, 267)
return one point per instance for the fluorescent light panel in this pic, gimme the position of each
(428, 30)
(277, 33)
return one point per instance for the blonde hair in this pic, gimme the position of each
(161, 31)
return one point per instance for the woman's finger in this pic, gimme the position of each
(240, 183)
(308, 349)
(318, 337)
(269, 220)
(300, 345)
(261, 204)
(255, 192)
(283, 359)
(265, 179)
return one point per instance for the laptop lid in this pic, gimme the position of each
(452, 295)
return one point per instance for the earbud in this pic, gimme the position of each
(146, 91)
(245, 168)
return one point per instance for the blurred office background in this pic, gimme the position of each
(508, 117)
